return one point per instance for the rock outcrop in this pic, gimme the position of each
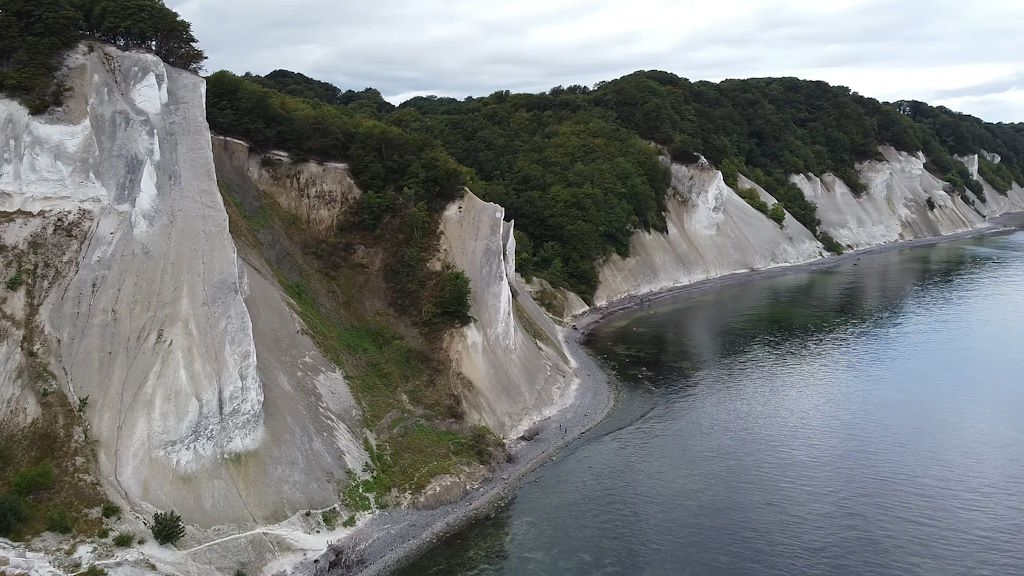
(318, 193)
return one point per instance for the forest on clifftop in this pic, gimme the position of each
(573, 165)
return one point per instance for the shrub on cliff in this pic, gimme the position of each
(12, 512)
(33, 480)
(451, 304)
(167, 527)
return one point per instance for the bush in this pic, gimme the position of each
(777, 213)
(59, 521)
(750, 196)
(31, 481)
(12, 512)
(93, 571)
(451, 306)
(330, 518)
(124, 539)
(15, 282)
(110, 510)
(167, 527)
(830, 243)
(930, 203)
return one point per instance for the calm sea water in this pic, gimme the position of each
(864, 419)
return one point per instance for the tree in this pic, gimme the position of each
(34, 34)
(167, 527)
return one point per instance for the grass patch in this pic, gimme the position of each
(124, 539)
(257, 220)
(44, 479)
(330, 518)
(110, 510)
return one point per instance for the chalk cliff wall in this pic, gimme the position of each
(203, 396)
(713, 232)
(318, 193)
(511, 353)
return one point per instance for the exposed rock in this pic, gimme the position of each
(317, 193)
(895, 206)
(450, 488)
(194, 403)
(511, 353)
(711, 232)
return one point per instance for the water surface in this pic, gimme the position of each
(862, 419)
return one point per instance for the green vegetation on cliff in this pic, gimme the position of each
(572, 166)
(35, 33)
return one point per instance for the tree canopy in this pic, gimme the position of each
(34, 34)
(574, 166)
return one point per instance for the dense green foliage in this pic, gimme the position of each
(33, 480)
(368, 102)
(407, 179)
(998, 175)
(577, 184)
(750, 196)
(962, 134)
(167, 527)
(571, 166)
(12, 512)
(35, 33)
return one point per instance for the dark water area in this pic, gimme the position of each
(861, 419)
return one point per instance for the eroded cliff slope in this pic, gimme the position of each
(511, 353)
(194, 403)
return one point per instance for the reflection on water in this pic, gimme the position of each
(862, 419)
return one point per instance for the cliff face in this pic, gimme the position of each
(510, 359)
(316, 193)
(194, 403)
(511, 353)
(895, 206)
(713, 232)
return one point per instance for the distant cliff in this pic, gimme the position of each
(713, 232)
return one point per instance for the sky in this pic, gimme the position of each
(968, 56)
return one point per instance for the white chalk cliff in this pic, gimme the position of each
(713, 232)
(511, 354)
(203, 395)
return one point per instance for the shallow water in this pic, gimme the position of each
(862, 419)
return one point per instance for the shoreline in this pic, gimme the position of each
(393, 539)
(399, 537)
(586, 321)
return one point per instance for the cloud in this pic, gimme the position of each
(938, 51)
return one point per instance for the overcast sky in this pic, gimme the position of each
(965, 55)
